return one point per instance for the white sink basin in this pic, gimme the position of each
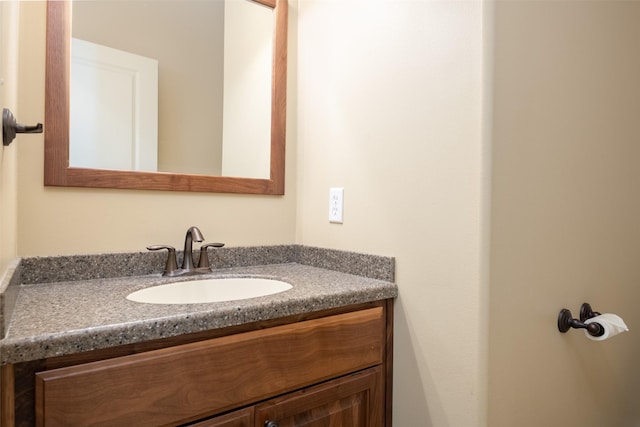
(209, 290)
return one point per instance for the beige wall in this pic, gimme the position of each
(566, 212)
(9, 14)
(248, 77)
(390, 109)
(71, 221)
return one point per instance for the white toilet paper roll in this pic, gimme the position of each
(612, 324)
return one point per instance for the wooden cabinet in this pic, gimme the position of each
(240, 418)
(332, 369)
(350, 401)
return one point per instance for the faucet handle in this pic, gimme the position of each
(171, 267)
(203, 262)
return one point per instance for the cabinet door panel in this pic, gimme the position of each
(241, 418)
(352, 401)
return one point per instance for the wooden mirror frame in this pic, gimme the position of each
(57, 171)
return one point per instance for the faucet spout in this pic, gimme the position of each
(193, 234)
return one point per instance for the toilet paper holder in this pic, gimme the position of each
(566, 321)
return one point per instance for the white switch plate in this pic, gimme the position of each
(336, 205)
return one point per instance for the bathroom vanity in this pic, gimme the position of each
(319, 353)
(329, 368)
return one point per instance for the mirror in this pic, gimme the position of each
(59, 171)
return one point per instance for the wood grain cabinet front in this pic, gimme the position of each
(239, 418)
(351, 401)
(287, 373)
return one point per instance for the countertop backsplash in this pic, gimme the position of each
(85, 267)
(9, 287)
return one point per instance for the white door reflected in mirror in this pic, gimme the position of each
(113, 109)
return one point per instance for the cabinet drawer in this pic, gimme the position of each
(187, 382)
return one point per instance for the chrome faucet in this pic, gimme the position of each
(188, 264)
(193, 233)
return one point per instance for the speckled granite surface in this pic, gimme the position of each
(65, 317)
(83, 267)
(8, 293)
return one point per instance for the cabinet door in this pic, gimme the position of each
(352, 401)
(241, 418)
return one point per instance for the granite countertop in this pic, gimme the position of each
(67, 317)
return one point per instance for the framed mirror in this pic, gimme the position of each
(59, 171)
